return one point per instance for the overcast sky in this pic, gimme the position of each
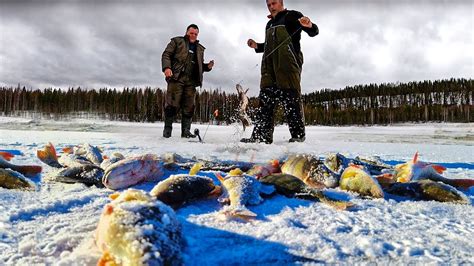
(119, 43)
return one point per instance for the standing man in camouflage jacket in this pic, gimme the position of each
(183, 64)
(281, 72)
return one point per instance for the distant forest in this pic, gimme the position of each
(424, 101)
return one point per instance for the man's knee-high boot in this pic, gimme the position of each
(168, 127)
(186, 127)
(170, 113)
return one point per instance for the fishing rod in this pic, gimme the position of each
(196, 131)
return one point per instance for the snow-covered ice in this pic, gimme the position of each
(55, 225)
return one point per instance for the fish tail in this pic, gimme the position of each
(415, 157)
(219, 177)
(106, 260)
(241, 212)
(377, 191)
(461, 183)
(6, 155)
(29, 169)
(333, 202)
(439, 168)
(48, 155)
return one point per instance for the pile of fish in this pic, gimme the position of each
(124, 232)
(368, 177)
(86, 164)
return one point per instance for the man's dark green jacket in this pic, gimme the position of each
(176, 55)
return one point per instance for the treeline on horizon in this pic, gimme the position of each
(449, 100)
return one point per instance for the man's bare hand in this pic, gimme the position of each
(252, 44)
(168, 73)
(305, 22)
(211, 64)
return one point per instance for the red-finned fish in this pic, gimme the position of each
(243, 105)
(260, 170)
(133, 170)
(28, 170)
(417, 170)
(136, 229)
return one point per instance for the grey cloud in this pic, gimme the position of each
(119, 43)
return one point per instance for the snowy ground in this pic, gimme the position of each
(55, 225)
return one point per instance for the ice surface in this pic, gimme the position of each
(55, 224)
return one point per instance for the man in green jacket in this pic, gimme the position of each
(183, 64)
(281, 72)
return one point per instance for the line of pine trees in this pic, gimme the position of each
(441, 101)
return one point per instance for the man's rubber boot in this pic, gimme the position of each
(254, 139)
(168, 127)
(186, 128)
(302, 139)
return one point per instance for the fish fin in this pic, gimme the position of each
(219, 176)
(195, 168)
(30, 170)
(106, 260)
(385, 179)
(275, 163)
(415, 158)
(461, 183)
(438, 168)
(377, 192)
(217, 191)
(242, 213)
(338, 204)
(48, 154)
(6, 155)
(114, 195)
(385, 176)
(108, 209)
(67, 150)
